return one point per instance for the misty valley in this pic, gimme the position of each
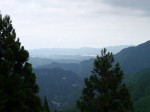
(61, 79)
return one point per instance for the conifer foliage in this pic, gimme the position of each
(46, 107)
(18, 86)
(104, 90)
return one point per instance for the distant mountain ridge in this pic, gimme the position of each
(62, 52)
(134, 59)
(82, 69)
(131, 59)
(36, 62)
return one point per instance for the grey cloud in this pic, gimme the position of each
(143, 5)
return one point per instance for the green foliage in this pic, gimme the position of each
(134, 59)
(104, 90)
(46, 107)
(18, 86)
(139, 87)
(3, 100)
(59, 86)
(142, 105)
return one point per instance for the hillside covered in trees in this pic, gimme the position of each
(139, 86)
(139, 63)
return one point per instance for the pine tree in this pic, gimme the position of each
(46, 107)
(104, 90)
(18, 86)
(3, 99)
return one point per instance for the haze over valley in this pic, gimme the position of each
(55, 76)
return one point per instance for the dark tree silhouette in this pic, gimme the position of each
(18, 86)
(46, 107)
(104, 90)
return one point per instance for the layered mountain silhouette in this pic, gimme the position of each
(131, 59)
(134, 59)
(62, 82)
(71, 53)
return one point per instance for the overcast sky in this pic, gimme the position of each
(79, 23)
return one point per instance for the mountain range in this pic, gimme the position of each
(131, 59)
(70, 53)
(135, 62)
(134, 59)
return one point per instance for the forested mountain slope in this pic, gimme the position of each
(57, 85)
(62, 82)
(139, 86)
(82, 69)
(133, 59)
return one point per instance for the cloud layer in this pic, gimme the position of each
(141, 5)
(78, 23)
